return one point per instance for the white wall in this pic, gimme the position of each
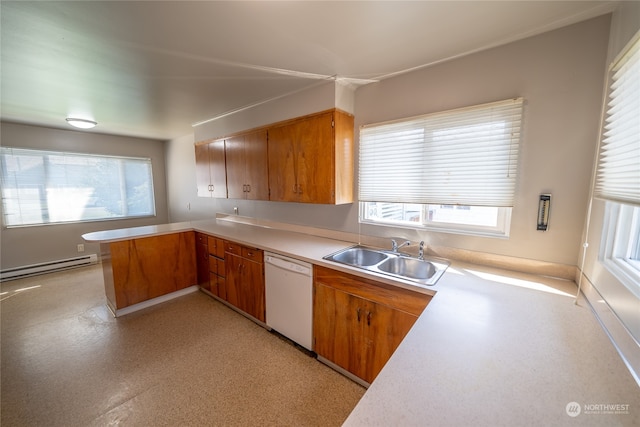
(560, 74)
(31, 245)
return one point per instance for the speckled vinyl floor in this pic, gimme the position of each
(188, 362)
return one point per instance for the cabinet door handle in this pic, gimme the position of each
(358, 314)
(299, 189)
(368, 318)
(248, 188)
(295, 189)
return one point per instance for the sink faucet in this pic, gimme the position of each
(421, 251)
(395, 246)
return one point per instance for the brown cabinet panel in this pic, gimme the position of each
(236, 169)
(247, 165)
(150, 267)
(202, 259)
(399, 298)
(233, 266)
(316, 157)
(282, 164)
(311, 159)
(211, 177)
(216, 266)
(222, 287)
(308, 159)
(252, 254)
(257, 165)
(216, 246)
(213, 265)
(333, 327)
(203, 177)
(385, 330)
(202, 238)
(244, 280)
(233, 248)
(358, 324)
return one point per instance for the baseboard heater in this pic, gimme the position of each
(47, 267)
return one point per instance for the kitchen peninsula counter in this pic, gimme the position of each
(493, 347)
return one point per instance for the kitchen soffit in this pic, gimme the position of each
(153, 68)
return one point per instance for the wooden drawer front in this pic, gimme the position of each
(216, 246)
(213, 265)
(222, 288)
(220, 263)
(216, 283)
(252, 254)
(212, 244)
(219, 252)
(233, 248)
(216, 266)
(202, 238)
(392, 296)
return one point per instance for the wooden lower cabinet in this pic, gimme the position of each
(245, 279)
(359, 323)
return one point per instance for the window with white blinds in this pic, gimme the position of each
(467, 156)
(45, 187)
(618, 171)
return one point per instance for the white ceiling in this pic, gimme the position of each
(154, 68)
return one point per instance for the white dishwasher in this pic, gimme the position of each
(289, 297)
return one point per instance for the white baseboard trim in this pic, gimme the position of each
(626, 345)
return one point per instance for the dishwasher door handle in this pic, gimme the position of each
(288, 265)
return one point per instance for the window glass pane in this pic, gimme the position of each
(394, 212)
(471, 215)
(477, 220)
(41, 187)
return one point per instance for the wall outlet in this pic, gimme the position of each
(80, 247)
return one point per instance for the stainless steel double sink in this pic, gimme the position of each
(396, 264)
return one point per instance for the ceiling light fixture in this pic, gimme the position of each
(81, 123)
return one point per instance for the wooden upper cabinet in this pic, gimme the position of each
(311, 159)
(211, 177)
(247, 164)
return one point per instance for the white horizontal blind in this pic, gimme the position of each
(467, 156)
(44, 187)
(618, 172)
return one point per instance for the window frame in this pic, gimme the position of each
(468, 155)
(621, 234)
(5, 150)
(501, 230)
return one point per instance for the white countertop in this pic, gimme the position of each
(493, 347)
